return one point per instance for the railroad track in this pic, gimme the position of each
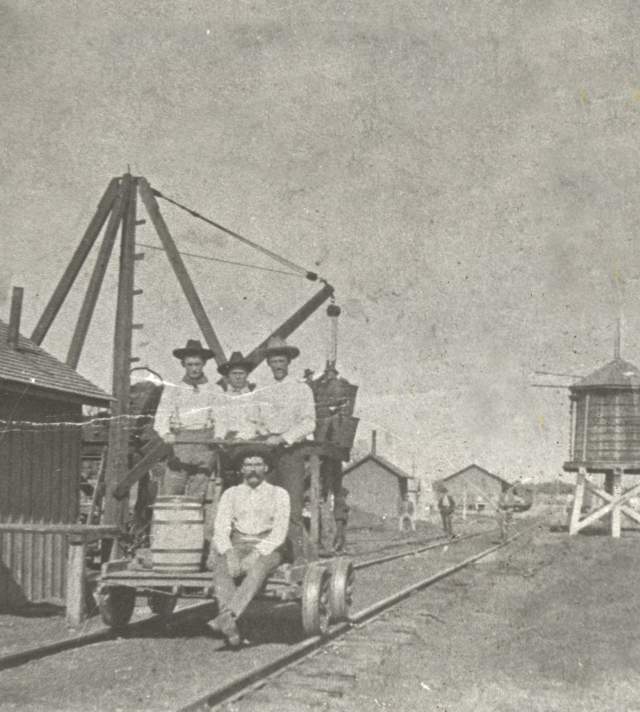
(203, 610)
(247, 682)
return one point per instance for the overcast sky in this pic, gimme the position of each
(465, 174)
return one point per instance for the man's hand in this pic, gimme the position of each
(250, 559)
(233, 563)
(275, 440)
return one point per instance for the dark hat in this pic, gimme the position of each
(193, 348)
(279, 347)
(251, 450)
(237, 360)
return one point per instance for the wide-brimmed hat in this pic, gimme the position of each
(279, 347)
(193, 348)
(251, 450)
(237, 360)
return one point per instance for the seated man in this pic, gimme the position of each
(250, 528)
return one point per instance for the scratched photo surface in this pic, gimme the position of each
(465, 175)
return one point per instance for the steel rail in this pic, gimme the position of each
(244, 683)
(415, 552)
(99, 636)
(102, 635)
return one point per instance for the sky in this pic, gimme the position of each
(464, 174)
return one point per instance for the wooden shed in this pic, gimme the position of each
(41, 402)
(476, 486)
(379, 487)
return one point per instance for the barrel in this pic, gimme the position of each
(177, 534)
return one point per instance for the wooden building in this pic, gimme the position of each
(475, 486)
(41, 403)
(379, 487)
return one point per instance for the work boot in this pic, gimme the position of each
(226, 624)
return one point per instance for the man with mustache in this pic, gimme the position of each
(250, 528)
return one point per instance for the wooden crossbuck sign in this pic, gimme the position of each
(615, 503)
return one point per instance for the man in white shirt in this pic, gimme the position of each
(250, 528)
(236, 375)
(187, 405)
(237, 411)
(289, 417)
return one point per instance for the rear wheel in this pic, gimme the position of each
(116, 605)
(161, 604)
(315, 600)
(341, 586)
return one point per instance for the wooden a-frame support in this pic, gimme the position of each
(615, 503)
(117, 208)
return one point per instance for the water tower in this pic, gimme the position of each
(605, 442)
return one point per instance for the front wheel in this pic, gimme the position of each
(341, 586)
(315, 600)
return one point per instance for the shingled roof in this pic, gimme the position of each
(31, 364)
(616, 374)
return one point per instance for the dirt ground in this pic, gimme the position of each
(548, 625)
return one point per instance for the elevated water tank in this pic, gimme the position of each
(605, 419)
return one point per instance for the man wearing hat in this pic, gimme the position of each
(250, 528)
(236, 373)
(188, 405)
(238, 412)
(447, 507)
(289, 417)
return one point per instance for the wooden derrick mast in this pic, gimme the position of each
(118, 210)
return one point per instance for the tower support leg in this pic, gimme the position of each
(577, 501)
(616, 514)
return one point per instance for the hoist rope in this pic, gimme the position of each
(312, 276)
(218, 259)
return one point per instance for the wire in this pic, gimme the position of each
(5, 430)
(312, 276)
(218, 259)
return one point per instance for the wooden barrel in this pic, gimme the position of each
(177, 534)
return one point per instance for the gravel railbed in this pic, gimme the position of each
(167, 670)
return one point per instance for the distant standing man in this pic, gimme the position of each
(341, 516)
(250, 529)
(447, 507)
(290, 418)
(187, 405)
(504, 511)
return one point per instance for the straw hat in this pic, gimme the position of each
(279, 347)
